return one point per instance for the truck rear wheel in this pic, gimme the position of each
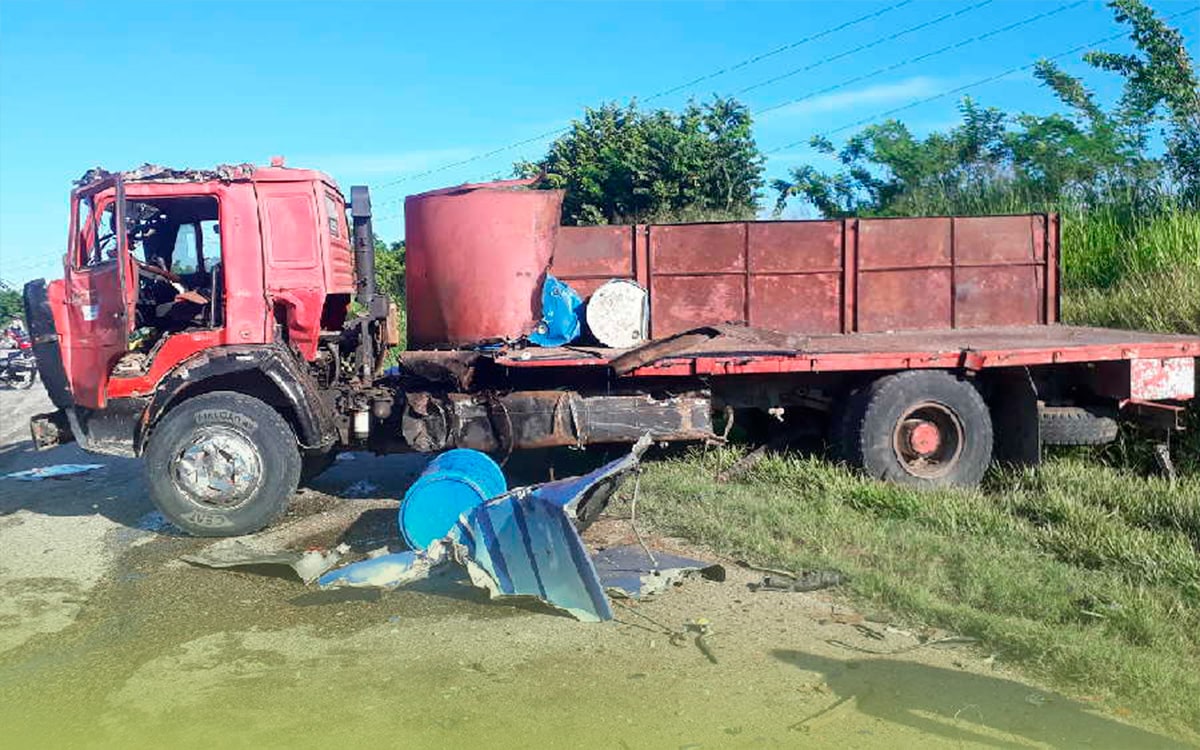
(222, 464)
(924, 428)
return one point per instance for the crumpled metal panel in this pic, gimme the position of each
(521, 544)
(157, 173)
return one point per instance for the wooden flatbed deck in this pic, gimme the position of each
(730, 350)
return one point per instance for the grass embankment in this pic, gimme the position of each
(1086, 571)
(1087, 575)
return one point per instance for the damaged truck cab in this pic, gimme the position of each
(224, 326)
(206, 288)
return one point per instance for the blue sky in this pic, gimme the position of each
(378, 92)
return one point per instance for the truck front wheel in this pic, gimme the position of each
(920, 427)
(222, 464)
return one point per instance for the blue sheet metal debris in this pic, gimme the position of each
(520, 544)
(628, 572)
(388, 571)
(58, 471)
(562, 313)
(235, 553)
(525, 544)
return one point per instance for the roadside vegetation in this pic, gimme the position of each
(1085, 575)
(1085, 571)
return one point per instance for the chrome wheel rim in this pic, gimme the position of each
(218, 468)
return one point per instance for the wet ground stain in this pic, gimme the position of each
(168, 654)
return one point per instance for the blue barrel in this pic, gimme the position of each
(452, 484)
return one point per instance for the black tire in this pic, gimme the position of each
(222, 464)
(1076, 425)
(27, 379)
(921, 427)
(20, 378)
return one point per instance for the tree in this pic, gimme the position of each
(389, 269)
(1083, 153)
(884, 165)
(11, 305)
(1160, 74)
(623, 164)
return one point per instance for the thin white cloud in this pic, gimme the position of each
(886, 93)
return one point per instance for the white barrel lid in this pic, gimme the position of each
(618, 314)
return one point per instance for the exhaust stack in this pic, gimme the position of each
(364, 244)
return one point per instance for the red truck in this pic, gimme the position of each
(224, 325)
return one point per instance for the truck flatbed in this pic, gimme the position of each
(732, 350)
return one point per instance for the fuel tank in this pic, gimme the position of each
(477, 255)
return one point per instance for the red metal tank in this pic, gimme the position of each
(476, 258)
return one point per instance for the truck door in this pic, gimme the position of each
(96, 297)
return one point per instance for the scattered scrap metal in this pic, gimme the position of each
(57, 471)
(628, 572)
(519, 543)
(522, 543)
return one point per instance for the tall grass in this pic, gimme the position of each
(1108, 234)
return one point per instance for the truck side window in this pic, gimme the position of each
(185, 258)
(337, 215)
(86, 233)
(210, 240)
(103, 247)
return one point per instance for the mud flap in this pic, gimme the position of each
(1013, 402)
(44, 336)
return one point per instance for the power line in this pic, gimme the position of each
(902, 63)
(964, 87)
(708, 76)
(868, 45)
(828, 89)
(777, 50)
(23, 267)
(925, 56)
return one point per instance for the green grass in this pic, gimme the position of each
(1108, 244)
(1085, 571)
(1084, 574)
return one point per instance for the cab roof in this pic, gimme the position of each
(277, 172)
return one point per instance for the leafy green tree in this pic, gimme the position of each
(1084, 152)
(624, 164)
(11, 305)
(1159, 75)
(389, 269)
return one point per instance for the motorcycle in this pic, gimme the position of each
(18, 367)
